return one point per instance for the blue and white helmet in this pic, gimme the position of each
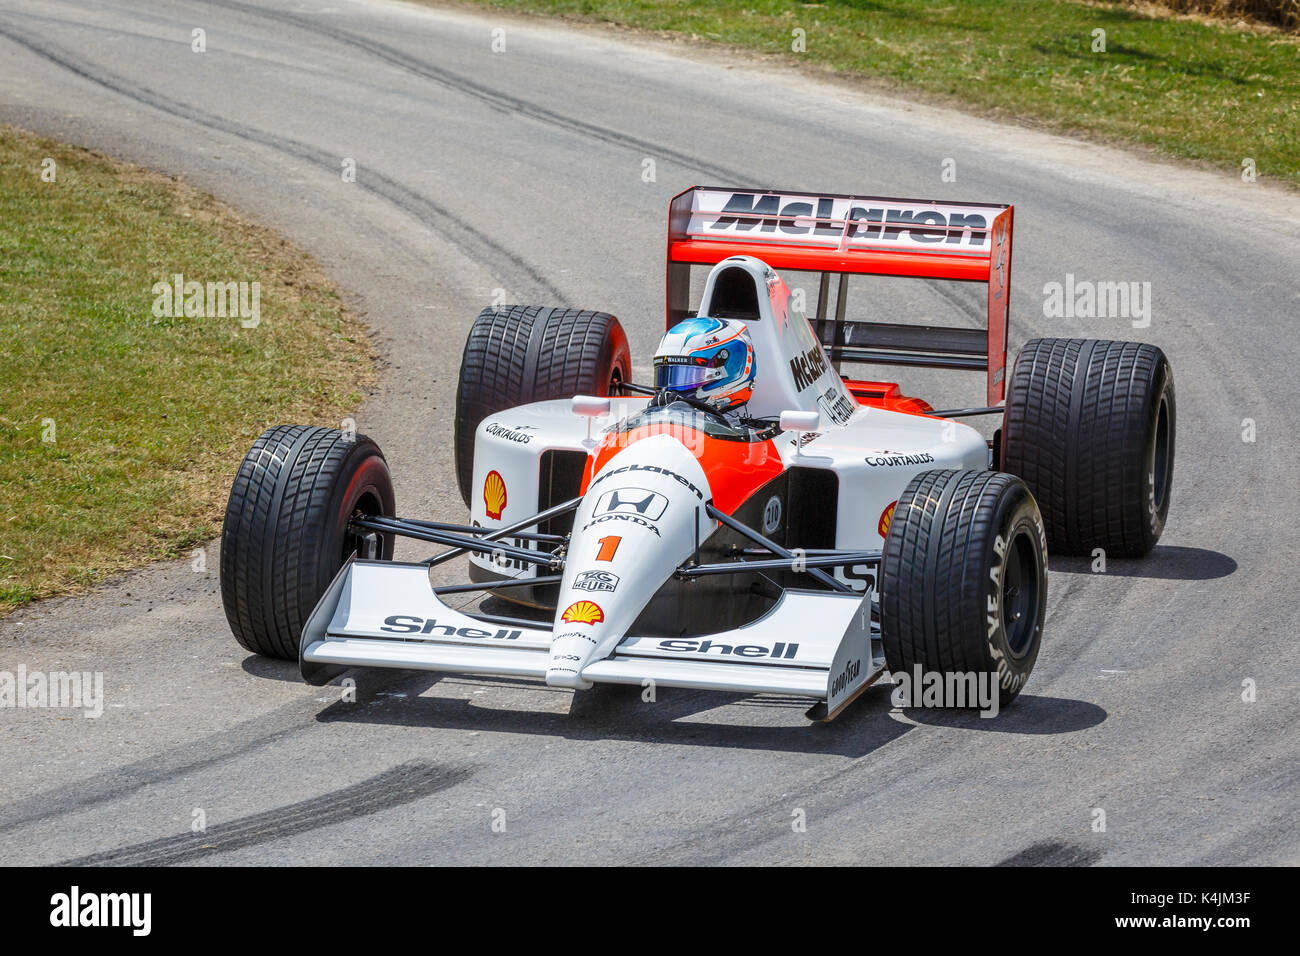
(711, 360)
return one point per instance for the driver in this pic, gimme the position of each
(705, 360)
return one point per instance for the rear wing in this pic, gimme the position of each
(857, 235)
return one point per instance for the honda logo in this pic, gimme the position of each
(638, 501)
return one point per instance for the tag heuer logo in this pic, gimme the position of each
(596, 581)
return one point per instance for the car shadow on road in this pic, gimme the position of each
(1027, 714)
(284, 671)
(697, 718)
(609, 712)
(1165, 562)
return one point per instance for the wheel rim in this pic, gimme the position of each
(367, 506)
(1160, 456)
(1020, 594)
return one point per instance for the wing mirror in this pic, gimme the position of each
(590, 406)
(794, 420)
(593, 406)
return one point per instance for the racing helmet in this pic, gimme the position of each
(711, 360)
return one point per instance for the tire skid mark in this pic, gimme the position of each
(476, 245)
(1053, 853)
(229, 743)
(503, 102)
(394, 787)
(967, 302)
(134, 33)
(116, 784)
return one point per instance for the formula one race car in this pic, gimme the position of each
(753, 521)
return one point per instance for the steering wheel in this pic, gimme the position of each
(663, 398)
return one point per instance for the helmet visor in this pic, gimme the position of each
(677, 376)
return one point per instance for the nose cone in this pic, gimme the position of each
(569, 653)
(640, 519)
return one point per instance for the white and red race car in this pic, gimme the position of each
(834, 530)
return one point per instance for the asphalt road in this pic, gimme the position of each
(523, 171)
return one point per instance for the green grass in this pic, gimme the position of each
(1184, 87)
(150, 416)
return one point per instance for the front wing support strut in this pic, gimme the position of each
(775, 548)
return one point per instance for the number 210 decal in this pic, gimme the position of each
(608, 546)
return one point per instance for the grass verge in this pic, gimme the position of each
(1185, 87)
(120, 429)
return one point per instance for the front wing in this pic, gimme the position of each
(813, 644)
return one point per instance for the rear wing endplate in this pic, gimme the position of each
(857, 235)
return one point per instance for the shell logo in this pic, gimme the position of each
(583, 612)
(885, 517)
(494, 495)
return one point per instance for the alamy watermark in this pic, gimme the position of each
(211, 300)
(948, 689)
(74, 908)
(1085, 299)
(55, 689)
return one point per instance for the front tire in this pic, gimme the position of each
(518, 354)
(286, 530)
(964, 578)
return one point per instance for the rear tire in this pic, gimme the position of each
(964, 578)
(1089, 426)
(286, 530)
(518, 354)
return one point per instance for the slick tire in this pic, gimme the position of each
(963, 584)
(1089, 426)
(286, 531)
(517, 354)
